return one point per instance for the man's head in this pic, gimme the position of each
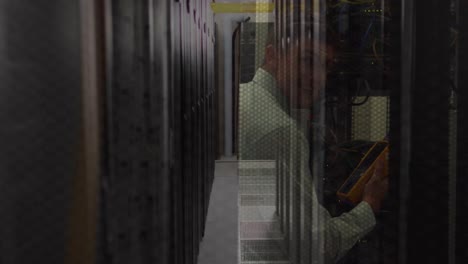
(300, 68)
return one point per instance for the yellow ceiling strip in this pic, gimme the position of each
(242, 7)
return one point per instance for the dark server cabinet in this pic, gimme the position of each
(160, 170)
(186, 151)
(177, 176)
(461, 229)
(429, 176)
(40, 134)
(148, 133)
(414, 53)
(134, 137)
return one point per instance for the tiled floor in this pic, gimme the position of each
(259, 234)
(242, 227)
(220, 244)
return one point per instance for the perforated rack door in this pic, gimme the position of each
(160, 118)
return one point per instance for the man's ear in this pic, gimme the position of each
(270, 55)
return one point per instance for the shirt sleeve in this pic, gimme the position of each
(342, 232)
(335, 235)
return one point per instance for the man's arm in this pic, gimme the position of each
(341, 233)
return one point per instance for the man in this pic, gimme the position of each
(268, 132)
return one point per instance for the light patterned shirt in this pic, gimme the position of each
(267, 132)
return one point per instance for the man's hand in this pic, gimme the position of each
(377, 187)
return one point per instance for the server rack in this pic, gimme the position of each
(160, 115)
(41, 115)
(462, 140)
(157, 104)
(177, 183)
(305, 19)
(429, 169)
(420, 215)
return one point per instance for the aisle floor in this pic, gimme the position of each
(220, 243)
(242, 212)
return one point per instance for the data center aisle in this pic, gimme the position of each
(261, 241)
(242, 212)
(221, 240)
